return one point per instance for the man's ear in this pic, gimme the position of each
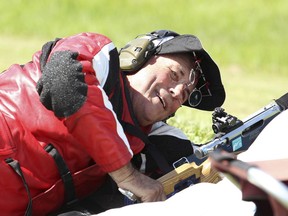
(136, 53)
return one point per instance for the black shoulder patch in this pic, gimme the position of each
(62, 87)
(46, 50)
(172, 147)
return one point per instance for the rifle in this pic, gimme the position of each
(232, 135)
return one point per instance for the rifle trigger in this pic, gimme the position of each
(180, 162)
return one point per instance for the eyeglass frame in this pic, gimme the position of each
(196, 93)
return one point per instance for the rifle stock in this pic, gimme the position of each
(188, 173)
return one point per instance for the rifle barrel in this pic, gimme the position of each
(242, 136)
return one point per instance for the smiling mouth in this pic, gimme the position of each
(162, 101)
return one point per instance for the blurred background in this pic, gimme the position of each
(247, 39)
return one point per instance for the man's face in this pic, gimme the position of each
(161, 87)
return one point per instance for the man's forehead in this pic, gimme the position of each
(187, 63)
(186, 60)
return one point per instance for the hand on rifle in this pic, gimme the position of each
(142, 186)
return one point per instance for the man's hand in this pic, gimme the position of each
(145, 188)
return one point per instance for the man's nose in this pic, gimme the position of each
(177, 92)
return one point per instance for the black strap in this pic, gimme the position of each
(70, 195)
(16, 167)
(150, 147)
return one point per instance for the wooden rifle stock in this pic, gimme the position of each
(202, 173)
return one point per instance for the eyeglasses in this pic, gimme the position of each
(202, 88)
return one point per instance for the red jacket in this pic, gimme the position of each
(81, 94)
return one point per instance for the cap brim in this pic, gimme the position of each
(189, 44)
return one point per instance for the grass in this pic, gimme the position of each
(246, 38)
(247, 33)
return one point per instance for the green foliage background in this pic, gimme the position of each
(246, 38)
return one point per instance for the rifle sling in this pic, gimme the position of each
(16, 167)
(66, 176)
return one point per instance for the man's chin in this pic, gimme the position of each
(143, 122)
(149, 116)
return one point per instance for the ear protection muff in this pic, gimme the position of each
(136, 52)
